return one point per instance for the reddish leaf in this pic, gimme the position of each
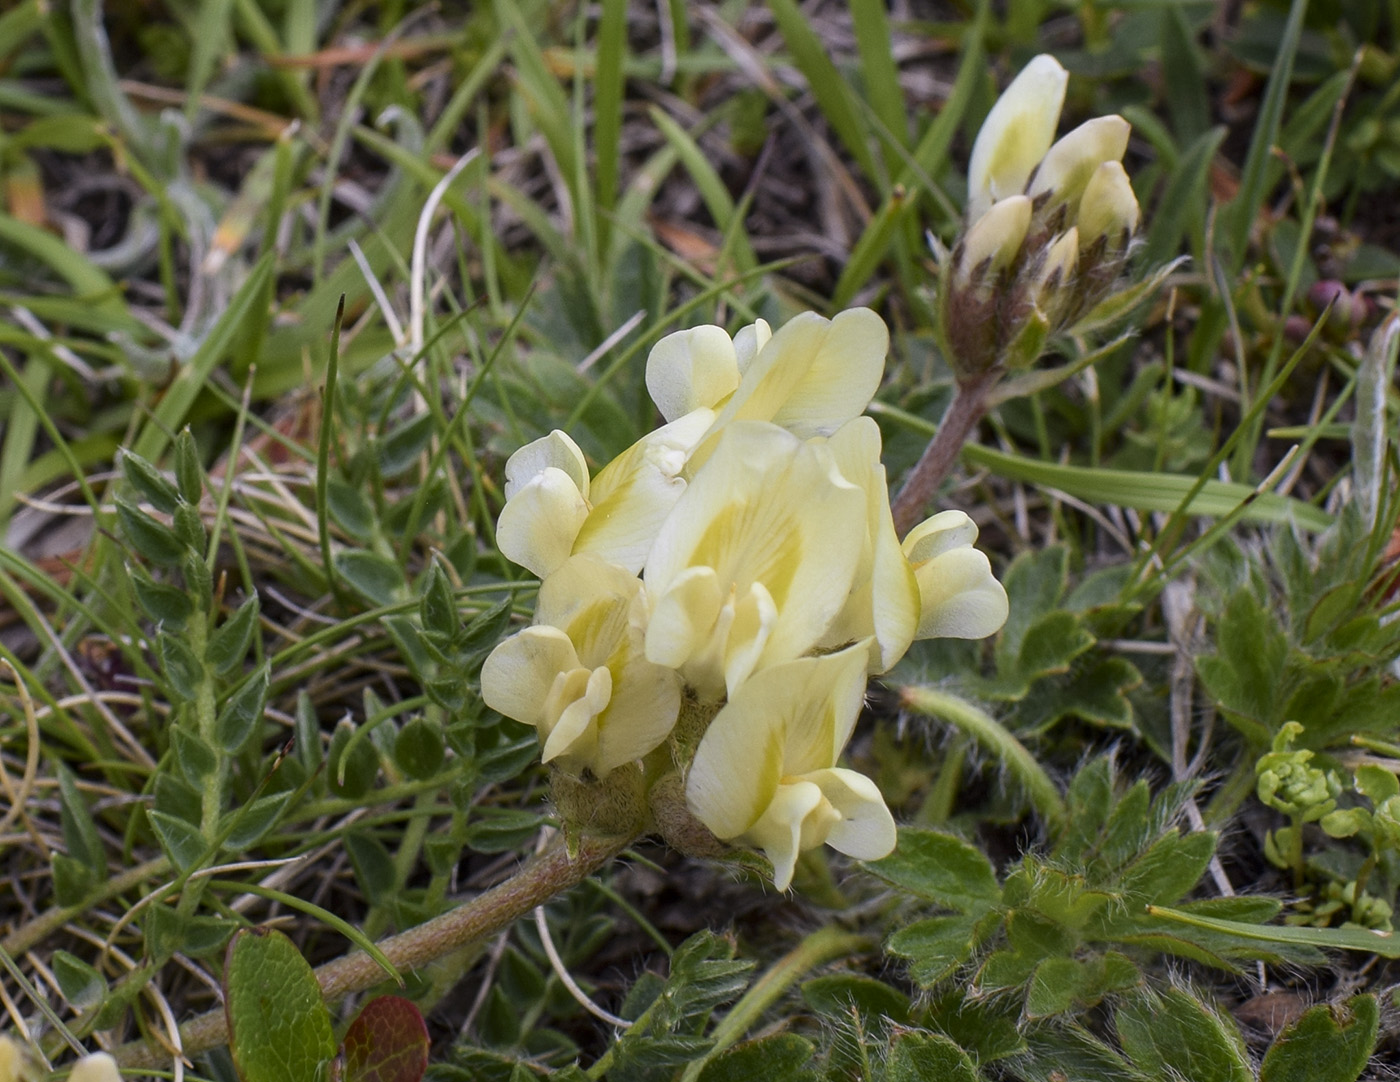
(387, 1042)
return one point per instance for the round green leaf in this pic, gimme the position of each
(279, 1029)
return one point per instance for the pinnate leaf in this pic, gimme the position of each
(1329, 1043)
(941, 868)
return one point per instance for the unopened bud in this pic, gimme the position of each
(1068, 165)
(1051, 289)
(994, 240)
(1348, 309)
(98, 1067)
(1016, 134)
(1108, 210)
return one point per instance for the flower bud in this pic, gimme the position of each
(1108, 210)
(1052, 287)
(1348, 309)
(1068, 165)
(994, 241)
(1016, 134)
(98, 1067)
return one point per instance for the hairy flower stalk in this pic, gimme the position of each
(1049, 231)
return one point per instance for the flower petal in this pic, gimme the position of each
(691, 369)
(1068, 164)
(994, 240)
(539, 523)
(819, 699)
(519, 672)
(1109, 208)
(766, 508)
(942, 533)
(574, 735)
(96, 1067)
(866, 828)
(750, 341)
(737, 767)
(755, 616)
(646, 699)
(797, 818)
(884, 598)
(682, 616)
(633, 494)
(814, 375)
(961, 599)
(556, 450)
(592, 602)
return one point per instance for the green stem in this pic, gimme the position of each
(544, 877)
(822, 946)
(1363, 876)
(1295, 853)
(1234, 792)
(989, 733)
(29, 935)
(938, 805)
(206, 716)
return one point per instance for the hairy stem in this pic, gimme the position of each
(33, 932)
(992, 735)
(547, 875)
(968, 407)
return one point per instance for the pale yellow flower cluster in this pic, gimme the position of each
(740, 558)
(1049, 225)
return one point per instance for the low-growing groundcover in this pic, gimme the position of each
(397, 396)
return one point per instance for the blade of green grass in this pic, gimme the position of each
(1239, 216)
(879, 74)
(1312, 205)
(1184, 76)
(241, 318)
(1138, 489)
(1351, 939)
(608, 81)
(18, 25)
(21, 424)
(449, 123)
(549, 108)
(86, 279)
(1184, 194)
(253, 24)
(709, 184)
(924, 162)
(100, 78)
(210, 34)
(834, 95)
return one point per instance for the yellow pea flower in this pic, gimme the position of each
(553, 510)
(765, 773)
(756, 559)
(580, 675)
(1109, 210)
(883, 605)
(1065, 171)
(700, 368)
